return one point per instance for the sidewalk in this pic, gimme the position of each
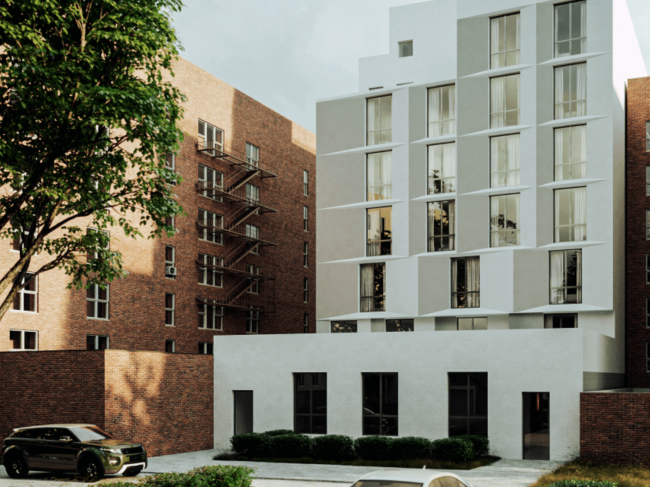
(504, 473)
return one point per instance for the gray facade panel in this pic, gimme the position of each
(340, 125)
(473, 46)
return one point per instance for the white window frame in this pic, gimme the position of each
(570, 39)
(21, 294)
(217, 314)
(170, 263)
(218, 223)
(558, 176)
(444, 126)
(172, 166)
(253, 269)
(22, 341)
(252, 322)
(305, 290)
(253, 231)
(216, 134)
(204, 348)
(305, 254)
(506, 51)
(96, 302)
(305, 181)
(210, 178)
(573, 215)
(556, 91)
(252, 155)
(305, 217)
(217, 276)
(96, 340)
(171, 311)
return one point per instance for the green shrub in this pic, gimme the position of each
(280, 432)
(252, 444)
(333, 447)
(212, 476)
(480, 443)
(457, 450)
(584, 483)
(410, 447)
(373, 447)
(291, 446)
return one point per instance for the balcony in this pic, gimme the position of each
(235, 158)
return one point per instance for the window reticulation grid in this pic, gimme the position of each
(465, 282)
(566, 277)
(570, 215)
(210, 317)
(474, 323)
(571, 91)
(373, 285)
(379, 238)
(571, 153)
(441, 226)
(379, 176)
(97, 302)
(468, 404)
(310, 403)
(23, 340)
(504, 220)
(379, 120)
(505, 161)
(209, 275)
(442, 111)
(442, 168)
(380, 404)
(210, 179)
(505, 40)
(504, 101)
(571, 29)
(26, 299)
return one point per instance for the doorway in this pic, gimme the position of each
(243, 412)
(536, 426)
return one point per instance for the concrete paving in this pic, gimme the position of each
(504, 473)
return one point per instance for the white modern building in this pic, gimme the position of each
(470, 197)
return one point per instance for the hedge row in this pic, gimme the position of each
(584, 483)
(213, 476)
(287, 444)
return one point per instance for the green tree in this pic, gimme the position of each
(86, 119)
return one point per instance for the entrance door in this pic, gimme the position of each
(536, 426)
(243, 412)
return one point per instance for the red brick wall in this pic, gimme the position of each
(163, 400)
(614, 427)
(137, 314)
(638, 113)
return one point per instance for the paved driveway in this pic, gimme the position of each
(504, 473)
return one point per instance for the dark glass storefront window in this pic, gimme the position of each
(399, 325)
(310, 403)
(468, 403)
(380, 404)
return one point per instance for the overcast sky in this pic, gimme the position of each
(289, 53)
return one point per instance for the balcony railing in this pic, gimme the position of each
(235, 158)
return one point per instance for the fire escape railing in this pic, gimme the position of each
(239, 231)
(235, 158)
(237, 195)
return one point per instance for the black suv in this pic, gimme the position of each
(83, 448)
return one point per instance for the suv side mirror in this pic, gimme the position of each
(65, 438)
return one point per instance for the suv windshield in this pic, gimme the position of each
(90, 433)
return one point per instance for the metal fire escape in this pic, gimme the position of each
(242, 205)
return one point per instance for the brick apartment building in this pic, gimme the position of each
(638, 241)
(243, 260)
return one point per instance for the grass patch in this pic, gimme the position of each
(624, 475)
(430, 464)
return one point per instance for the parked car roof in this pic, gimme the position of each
(68, 425)
(409, 475)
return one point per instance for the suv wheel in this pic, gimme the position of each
(91, 468)
(16, 467)
(132, 472)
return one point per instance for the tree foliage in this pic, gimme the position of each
(86, 118)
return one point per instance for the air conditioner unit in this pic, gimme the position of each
(170, 270)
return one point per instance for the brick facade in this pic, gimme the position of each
(137, 303)
(614, 427)
(637, 291)
(163, 400)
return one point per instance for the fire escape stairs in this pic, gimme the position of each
(241, 287)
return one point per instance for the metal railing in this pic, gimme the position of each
(235, 157)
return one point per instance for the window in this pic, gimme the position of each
(310, 403)
(305, 291)
(647, 357)
(647, 136)
(468, 404)
(252, 321)
(170, 220)
(570, 215)
(465, 282)
(380, 176)
(210, 180)
(97, 302)
(405, 48)
(647, 183)
(504, 101)
(379, 225)
(379, 119)
(26, 299)
(373, 285)
(252, 194)
(571, 153)
(441, 226)
(101, 235)
(170, 161)
(442, 111)
(571, 91)
(97, 342)
(505, 161)
(505, 40)
(380, 404)
(400, 325)
(305, 255)
(647, 224)
(253, 232)
(208, 275)
(647, 313)
(647, 268)
(206, 348)
(252, 155)
(23, 340)
(472, 323)
(210, 317)
(255, 271)
(561, 321)
(170, 309)
(305, 323)
(343, 327)
(208, 222)
(570, 29)
(170, 346)
(210, 137)
(504, 220)
(566, 277)
(305, 182)
(170, 260)
(442, 168)
(305, 217)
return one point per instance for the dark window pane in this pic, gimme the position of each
(457, 426)
(399, 325)
(389, 426)
(319, 424)
(102, 343)
(210, 349)
(302, 401)
(319, 402)
(389, 389)
(371, 393)
(478, 426)
(29, 302)
(30, 340)
(302, 424)
(90, 342)
(370, 425)
(14, 337)
(458, 402)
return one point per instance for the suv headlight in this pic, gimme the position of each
(111, 450)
